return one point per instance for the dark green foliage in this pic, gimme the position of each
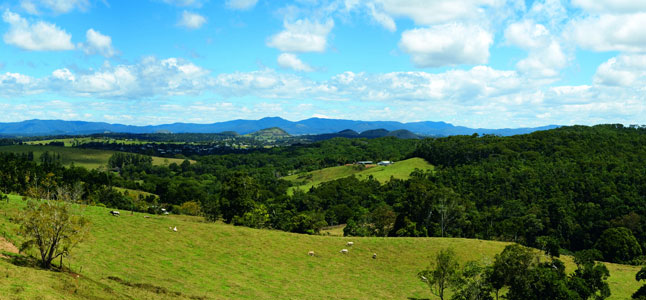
(641, 292)
(618, 245)
(473, 284)
(121, 160)
(519, 270)
(111, 198)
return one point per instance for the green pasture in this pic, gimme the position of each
(398, 170)
(138, 256)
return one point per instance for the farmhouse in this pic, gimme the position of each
(364, 162)
(385, 163)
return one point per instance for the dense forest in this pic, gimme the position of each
(572, 188)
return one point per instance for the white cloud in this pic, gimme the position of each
(426, 12)
(241, 4)
(610, 32)
(546, 57)
(41, 36)
(56, 6)
(302, 36)
(544, 62)
(97, 43)
(382, 18)
(12, 84)
(625, 70)
(291, 61)
(63, 74)
(527, 34)
(191, 20)
(447, 45)
(613, 6)
(149, 78)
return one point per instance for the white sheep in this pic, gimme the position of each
(344, 251)
(374, 256)
(175, 228)
(350, 244)
(311, 253)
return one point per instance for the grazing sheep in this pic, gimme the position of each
(344, 251)
(175, 228)
(374, 256)
(311, 253)
(115, 213)
(350, 244)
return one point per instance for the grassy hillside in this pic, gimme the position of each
(88, 158)
(399, 170)
(132, 257)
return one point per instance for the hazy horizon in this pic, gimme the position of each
(473, 63)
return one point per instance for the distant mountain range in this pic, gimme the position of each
(312, 126)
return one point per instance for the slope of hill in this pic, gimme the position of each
(88, 158)
(132, 257)
(398, 170)
(308, 126)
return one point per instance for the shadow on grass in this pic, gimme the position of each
(413, 298)
(21, 260)
(153, 288)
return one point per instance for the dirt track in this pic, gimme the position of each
(7, 246)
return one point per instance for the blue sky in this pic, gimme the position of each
(478, 63)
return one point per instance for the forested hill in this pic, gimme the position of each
(570, 183)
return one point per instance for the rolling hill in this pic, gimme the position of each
(132, 257)
(399, 170)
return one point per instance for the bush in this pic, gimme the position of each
(618, 245)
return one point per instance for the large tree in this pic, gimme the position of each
(52, 229)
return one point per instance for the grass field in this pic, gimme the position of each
(132, 257)
(88, 158)
(399, 170)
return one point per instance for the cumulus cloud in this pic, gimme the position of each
(97, 43)
(527, 34)
(610, 32)
(302, 36)
(241, 4)
(624, 71)
(291, 61)
(447, 45)
(191, 20)
(56, 6)
(40, 36)
(546, 57)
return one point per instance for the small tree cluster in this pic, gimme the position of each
(519, 272)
